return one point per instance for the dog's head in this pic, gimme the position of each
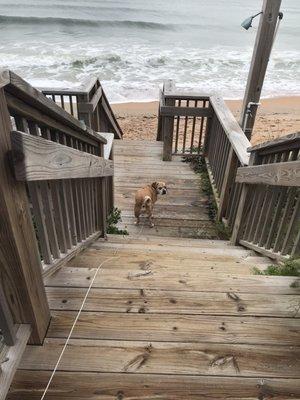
(160, 187)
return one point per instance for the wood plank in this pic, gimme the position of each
(38, 159)
(176, 328)
(276, 174)
(151, 301)
(29, 385)
(13, 358)
(165, 280)
(167, 358)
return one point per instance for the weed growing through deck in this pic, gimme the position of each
(287, 268)
(112, 221)
(198, 164)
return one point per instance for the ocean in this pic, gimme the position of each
(133, 45)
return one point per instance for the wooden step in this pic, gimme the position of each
(69, 385)
(149, 301)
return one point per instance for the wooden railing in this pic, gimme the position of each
(87, 103)
(54, 195)
(192, 124)
(268, 218)
(182, 121)
(256, 189)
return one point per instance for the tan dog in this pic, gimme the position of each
(145, 199)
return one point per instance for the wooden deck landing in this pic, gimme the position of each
(167, 318)
(181, 213)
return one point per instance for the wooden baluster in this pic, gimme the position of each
(193, 130)
(185, 129)
(292, 227)
(71, 105)
(177, 129)
(62, 102)
(201, 128)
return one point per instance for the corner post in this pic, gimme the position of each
(20, 265)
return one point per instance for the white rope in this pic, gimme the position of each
(73, 326)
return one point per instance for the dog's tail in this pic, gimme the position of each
(147, 200)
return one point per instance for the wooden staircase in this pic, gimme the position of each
(181, 213)
(167, 318)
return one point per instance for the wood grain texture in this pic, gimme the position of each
(176, 328)
(235, 135)
(151, 301)
(277, 174)
(165, 280)
(169, 358)
(38, 159)
(105, 386)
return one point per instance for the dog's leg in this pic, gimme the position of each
(150, 215)
(137, 212)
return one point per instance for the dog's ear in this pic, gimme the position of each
(154, 185)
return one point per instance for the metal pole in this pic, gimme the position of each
(260, 58)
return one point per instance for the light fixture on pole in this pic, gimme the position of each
(248, 21)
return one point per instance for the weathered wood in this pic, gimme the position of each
(149, 386)
(13, 357)
(228, 179)
(7, 323)
(176, 328)
(168, 111)
(20, 261)
(38, 159)
(235, 135)
(165, 357)
(279, 174)
(152, 301)
(56, 264)
(286, 140)
(18, 107)
(168, 129)
(268, 253)
(166, 280)
(20, 88)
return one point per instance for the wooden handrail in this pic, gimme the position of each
(277, 174)
(36, 159)
(234, 133)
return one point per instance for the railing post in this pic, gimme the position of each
(84, 115)
(20, 264)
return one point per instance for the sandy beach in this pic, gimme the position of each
(276, 117)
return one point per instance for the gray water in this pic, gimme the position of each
(132, 45)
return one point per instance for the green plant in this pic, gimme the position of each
(289, 267)
(199, 166)
(112, 220)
